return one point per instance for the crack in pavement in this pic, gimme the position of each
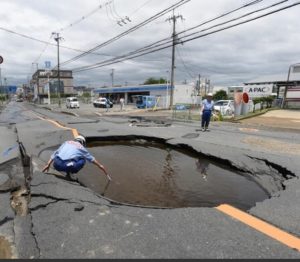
(287, 174)
(34, 236)
(5, 220)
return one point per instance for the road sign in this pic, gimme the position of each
(47, 64)
(1, 59)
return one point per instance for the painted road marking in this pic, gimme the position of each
(74, 131)
(259, 225)
(8, 150)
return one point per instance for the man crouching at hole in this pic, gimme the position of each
(71, 157)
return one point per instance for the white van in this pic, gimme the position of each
(72, 102)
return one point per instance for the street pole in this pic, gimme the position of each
(0, 78)
(37, 81)
(57, 39)
(167, 95)
(174, 20)
(49, 94)
(112, 77)
(199, 84)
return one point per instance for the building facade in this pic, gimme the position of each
(281, 84)
(182, 93)
(42, 80)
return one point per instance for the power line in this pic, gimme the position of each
(240, 23)
(188, 70)
(135, 54)
(232, 20)
(43, 51)
(48, 43)
(208, 21)
(168, 40)
(147, 21)
(84, 17)
(226, 14)
(139, 8)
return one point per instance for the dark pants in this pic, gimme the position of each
(71, 166)
(206, 115)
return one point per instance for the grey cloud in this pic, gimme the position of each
(266, 46)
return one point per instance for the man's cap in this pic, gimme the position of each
(209, 94)
(80, 139)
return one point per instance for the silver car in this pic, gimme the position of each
(225, 107)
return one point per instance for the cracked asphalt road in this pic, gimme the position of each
(67, 220)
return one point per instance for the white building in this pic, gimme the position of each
(182, 93)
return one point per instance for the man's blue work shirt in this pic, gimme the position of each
(208, 106)
(72, 150)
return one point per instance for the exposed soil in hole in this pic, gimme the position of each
(20, 201)
(5, 249)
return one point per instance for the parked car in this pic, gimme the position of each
(72, 102)
(225, 107)
(20, 99)
(101, 102)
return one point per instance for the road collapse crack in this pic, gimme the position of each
(287, 174)
(98, 204)
(44, 183)
(5, 220)
(34, 236)
(56, 200)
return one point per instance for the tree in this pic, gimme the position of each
(220, 95)
(153, 81)
(256, 100)
(269, 100)
(86, 94)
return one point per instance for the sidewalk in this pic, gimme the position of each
(284, 119)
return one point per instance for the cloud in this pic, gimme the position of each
(265, 46)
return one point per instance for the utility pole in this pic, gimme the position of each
(173, 19)
(0, 78)
(199, 84)
(112, 77)
(57, 39)
(37, 81)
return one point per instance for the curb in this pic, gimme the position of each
(258, 114)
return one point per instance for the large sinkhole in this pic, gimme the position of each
(159, 175)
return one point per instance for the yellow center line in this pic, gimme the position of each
(74, 131)
(269, 230)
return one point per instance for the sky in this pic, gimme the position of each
(240, 54)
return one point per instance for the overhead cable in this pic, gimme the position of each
(147, 21)
(209, 21)
(132, 55)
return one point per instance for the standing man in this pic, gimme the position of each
(71, 157)
(206, 109)
(107, 104)
(122, 103)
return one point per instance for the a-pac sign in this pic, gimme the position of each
(258, 90)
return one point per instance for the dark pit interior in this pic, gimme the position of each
(155, 174)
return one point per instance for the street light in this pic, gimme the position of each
(287, 83)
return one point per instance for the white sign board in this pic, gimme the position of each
(258, 90)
